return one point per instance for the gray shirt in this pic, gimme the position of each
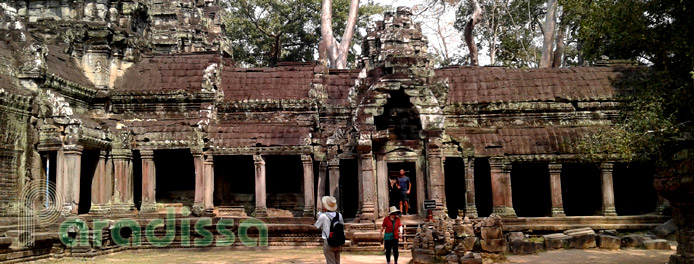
(323, 223)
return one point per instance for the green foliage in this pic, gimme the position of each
(265, 32)
(656, 114)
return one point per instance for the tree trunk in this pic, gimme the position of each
(559, 50)
(548, 32)
(476, 17)
(337, 53)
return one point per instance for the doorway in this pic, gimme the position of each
(411, 173)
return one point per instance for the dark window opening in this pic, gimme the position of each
(410, 172)
(235, 182)
(581, 189)
(137, 179)
(531, 190)
(634, 193)
(175, 177)
(349, 188)
(284, 177)
(399, 117)
(483, 187)
(454, 172)
(90, 159)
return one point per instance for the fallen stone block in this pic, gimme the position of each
(556, 241)
(539, 246)
(665, 229)
(452, 259)
(657, 244)
(471, 258)
(420, 255)
(467, 244)
(610, 232)
(494, 245)
(632, 241)
(5, 242)
(522, 247)
(492, 232)
(608, 242)
(582, 241)
(513, 236)
(579, 231)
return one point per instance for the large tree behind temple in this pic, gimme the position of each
(330, 49)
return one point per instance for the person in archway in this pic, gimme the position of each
(405, 187)
(393, 192)
(390, 232)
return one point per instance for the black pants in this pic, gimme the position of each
(391, 245)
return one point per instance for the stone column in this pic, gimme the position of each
(102, 185)
(555, 189)
(500, 171)
(68, 177)
(608, 208)
(470, 206)
(123, 181)
(334, 172)
(149, 178)
(368, 188)
(436, 180)
(199, 201)
(260, 196)
(320, 190)
(307, 162)
(208, 178)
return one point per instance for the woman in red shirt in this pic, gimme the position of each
(390, 233)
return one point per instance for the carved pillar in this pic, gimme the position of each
(322, 178)
(608, 208)
(123, 176)
(368, 188)
(260, 196)
(500, 171)
(470, 206)
(68, 177)
(199, 201)
(102, 185)
(334, 172)
(208, 179)
(307, 162)
(149, 177)
(555, 185)
(436, 180)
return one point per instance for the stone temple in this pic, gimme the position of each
(129, 107)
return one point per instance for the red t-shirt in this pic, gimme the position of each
(388, 224)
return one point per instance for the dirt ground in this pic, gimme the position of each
(217, 256)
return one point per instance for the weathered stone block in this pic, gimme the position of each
(513, 236)
(467, 244)
(579, 231)
(556, 241)
(494, 245)
(522, 247)
(452, 258)
(539, 246)
(582, 241)
(492, 232)
(423, 256)
(5, 242)
(471, 258)
(632, 241)
(608, 242)
(658, 244)
(440, 250)
(665, 229)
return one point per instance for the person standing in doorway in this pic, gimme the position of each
(324, 222)
(390, 232)
(393, 192)
(405, 187)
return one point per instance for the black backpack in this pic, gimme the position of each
(337, 232)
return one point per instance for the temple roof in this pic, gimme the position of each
(286, 82)
(238, 135)
(521, 141)
(167, 73)
(65, 66)
(495, 84)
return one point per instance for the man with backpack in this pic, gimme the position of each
(331, 225)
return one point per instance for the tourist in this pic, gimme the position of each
(405, 187)
(390, 231)
(394, 192)
(325, 218)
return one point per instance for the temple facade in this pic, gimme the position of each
(130, 107)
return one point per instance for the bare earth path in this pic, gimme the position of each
(217, 256)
